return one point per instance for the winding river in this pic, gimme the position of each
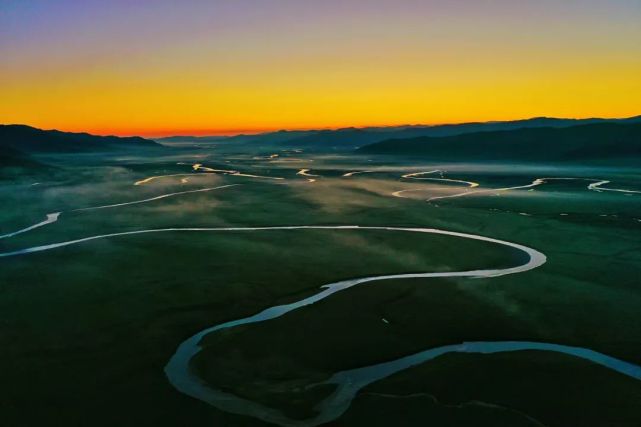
(199, 167)
(153, 178)
(53, 217)
(596, 185)
(347, 383)
(305, 172)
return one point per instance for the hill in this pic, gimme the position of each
(589, 142)
(26, 139)
(262, 139)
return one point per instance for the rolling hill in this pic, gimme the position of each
(28, 140)
(588, 142)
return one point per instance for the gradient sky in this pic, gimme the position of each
(204, 67)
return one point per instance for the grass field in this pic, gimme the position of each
(87, 329)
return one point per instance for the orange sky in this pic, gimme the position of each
(163, 68)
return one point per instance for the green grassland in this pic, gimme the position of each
(87, 329)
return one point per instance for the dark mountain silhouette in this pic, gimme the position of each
(278, 137)
(351, 138)
(588, 142)
(26, 139)
(188, 138)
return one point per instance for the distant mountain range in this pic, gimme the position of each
(263, 138)
(533, 140)
(600, 141)
(282, 139)
(348, 139)
(28, 139)
(19, 144)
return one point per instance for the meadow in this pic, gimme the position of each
(89, 328)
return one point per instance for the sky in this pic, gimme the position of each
(200, 67)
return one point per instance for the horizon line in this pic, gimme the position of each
(228, 132)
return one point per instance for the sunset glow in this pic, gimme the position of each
(223, 67)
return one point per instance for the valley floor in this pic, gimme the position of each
(319, 290)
